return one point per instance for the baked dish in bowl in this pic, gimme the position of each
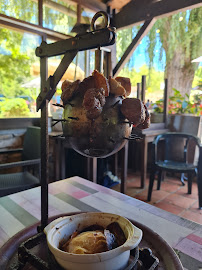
(89, 241)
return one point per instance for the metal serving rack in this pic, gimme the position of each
(69, 48)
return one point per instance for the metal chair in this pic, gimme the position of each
(175, 145)
(31, 151)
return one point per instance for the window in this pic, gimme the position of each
(19, 67)
(59, 16)
(17, 87)
(17, 8)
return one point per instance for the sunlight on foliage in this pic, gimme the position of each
(16, 107)
(178, 104)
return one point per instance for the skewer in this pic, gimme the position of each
(133, 137)
(59, 135)
(58, 105)
(69, 104)
(126, 122)
(57, 121)
(115, 104)
(111, 140)
(74, 118)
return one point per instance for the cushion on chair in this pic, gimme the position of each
(15, 182)
(175, 166)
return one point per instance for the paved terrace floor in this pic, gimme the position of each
(172, 196)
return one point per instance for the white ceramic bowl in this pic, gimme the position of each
(115, 259)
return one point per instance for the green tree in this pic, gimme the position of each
(14, 108)
(17, 49)
(180, 38)
(155, 80)
(14, 65)
(124, 38)
(197, 82)
(15, 60)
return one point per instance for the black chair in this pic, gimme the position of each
(174, 158)
(200, 177)
(30, 163)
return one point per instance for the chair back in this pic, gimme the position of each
(32, 143)
(176, 145)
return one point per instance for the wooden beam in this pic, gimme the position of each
(93, 5)
(136, 12)
(23, 26)
(131, 48)
(59, 7)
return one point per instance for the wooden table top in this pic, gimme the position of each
(20, 210)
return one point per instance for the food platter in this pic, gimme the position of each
(160, 248)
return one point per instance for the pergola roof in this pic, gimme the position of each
(130, 12)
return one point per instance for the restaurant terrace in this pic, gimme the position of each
(100, 134)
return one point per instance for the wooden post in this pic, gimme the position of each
(87, 63)
(138, 90)
(124, 167)
(107, 65)
(78, 13)
(99, 58)
(40, 14)
(44, 147)
(115, 164)
(199, 178)
(165, 107)
(143, 88)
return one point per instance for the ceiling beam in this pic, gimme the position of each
(58, 7)
(19, 25)
(138, 11)
(93, 5)
(131, 48)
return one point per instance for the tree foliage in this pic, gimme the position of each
(14, 64)
(180, 38)
(26, 10)
(154, 85)
(181, 31)
(57, 21)
(124, 38)
(17, 49)
(14, 108)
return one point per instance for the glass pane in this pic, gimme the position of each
(86, 15)
(92, 61)
(60, 17)
(75, 71)
(25, 10)
(19, 85)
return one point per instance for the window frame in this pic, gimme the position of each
(37, 29)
